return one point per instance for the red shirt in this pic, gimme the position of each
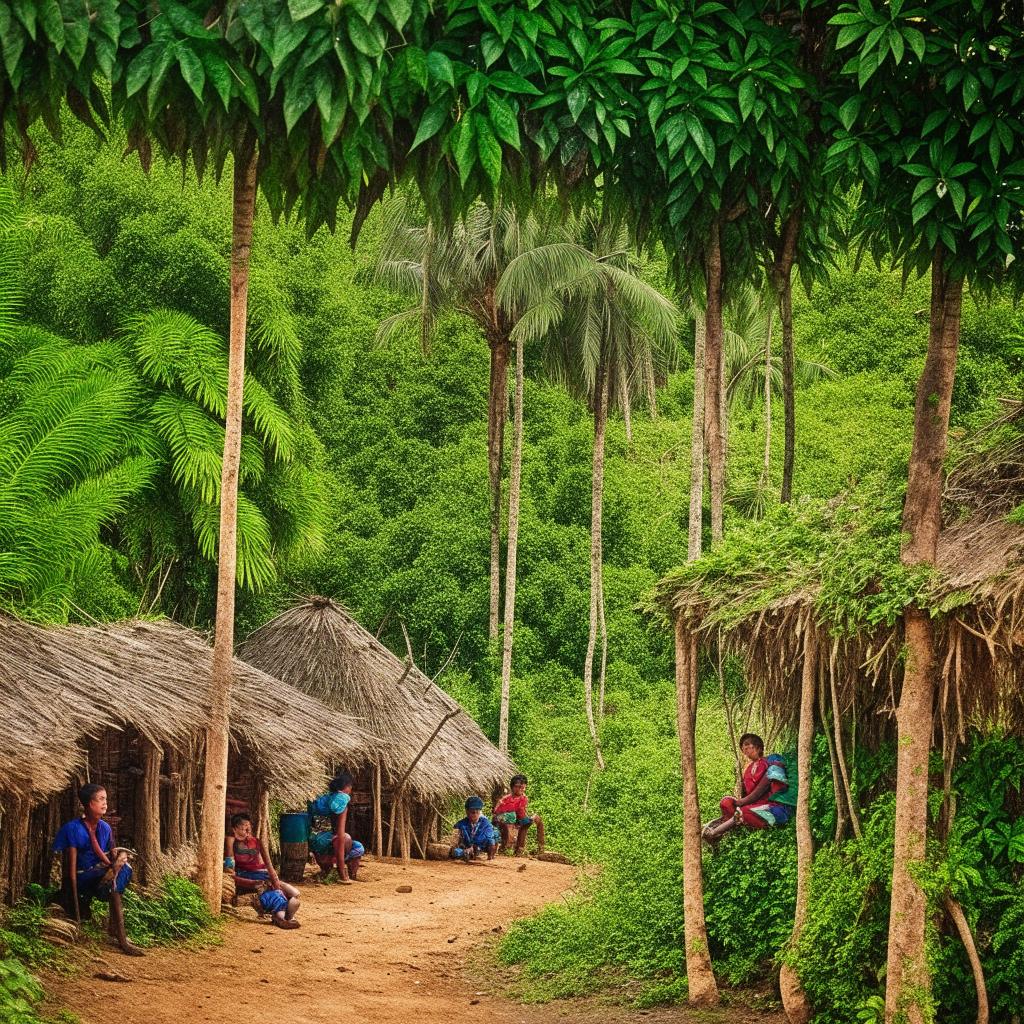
(753, 774)
(511, 803)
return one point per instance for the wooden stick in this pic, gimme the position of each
(956, 913)
(378, 816)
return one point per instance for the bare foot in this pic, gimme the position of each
(281, 922)
(344, 881)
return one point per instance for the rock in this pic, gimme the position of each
(404, 888)
(522, 867)
(474, 1002)
(452, 938)
(112, 976)
(553, 858)
(343, 970)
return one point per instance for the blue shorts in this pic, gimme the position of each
(272, 901)
(321, 844)
(253, 876)
(95, 889)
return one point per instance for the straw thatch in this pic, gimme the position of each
(321, 649)
(763, 613)
(63, 686)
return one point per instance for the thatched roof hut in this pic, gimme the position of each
(761, 607)
(434, 751)
(127, 703)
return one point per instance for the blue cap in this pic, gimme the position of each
(474, 803)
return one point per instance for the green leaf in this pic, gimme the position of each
(464, 149)
(141, 67)
(510, 82)
(849, 110)
(430, 124)
(300, 9)
(747, 95)
(700, 136)
(52, 20)
(503, 120)
(298, 98)
(367, 39)
(439, 67)
(191, 69)
(26, 12)
(959, 197)
(219, 74)
(489, 150)
(185, 21)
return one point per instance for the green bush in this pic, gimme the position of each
(176, 913)
(20, 992)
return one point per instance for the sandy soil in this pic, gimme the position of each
(364, 951)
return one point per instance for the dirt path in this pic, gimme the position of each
(364, 951)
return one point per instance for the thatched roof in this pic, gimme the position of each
(762, 607)
(321, 649)
(64, 685)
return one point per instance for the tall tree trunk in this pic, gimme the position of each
(766, 468)
(626, 402)
(703, 990)
(782, 279)
(794, 998)
(596, 501)
(514, 488)
(497, 400)
(907, 978)
(215, 777)
(696, 523)
(603, 628)
(713, 382)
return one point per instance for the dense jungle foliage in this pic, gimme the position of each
(365, 477)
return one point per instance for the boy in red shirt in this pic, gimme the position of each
(510, 811)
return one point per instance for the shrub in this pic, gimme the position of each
(176, 913)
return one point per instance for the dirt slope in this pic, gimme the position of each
(363, 950)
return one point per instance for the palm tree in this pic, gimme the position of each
(603, 328)
(469, 268)
(460, 269)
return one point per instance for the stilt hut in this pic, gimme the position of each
(126, 705)
(434, 752)
(822, 644)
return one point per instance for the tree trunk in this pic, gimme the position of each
(596, 500)
(794, 998)
(147, 813)
(782, 278)
(211, 833)
(603, 627)
(514, 487)
(696, 524)
(713, 383)
(626, 402)
(703, 990)
(766, 469)
(838, 793)
(175, 799)
(959, 919)
(497, 400)
(907, 977)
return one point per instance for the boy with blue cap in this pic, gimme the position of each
(477, 835)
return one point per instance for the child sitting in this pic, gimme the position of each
(334, 847)
(94, 868)
(476, 835)
(756, 808)
(248, 856)
(510, 811)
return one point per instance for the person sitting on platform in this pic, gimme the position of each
(510, 812)
(476, 834)
(334, 847)
(756, 808)
(93, 867)
(247, 856)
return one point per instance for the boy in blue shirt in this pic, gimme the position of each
(335, 847)
(476, 833)
(94, 868)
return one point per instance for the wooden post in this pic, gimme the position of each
(147, 811)
(264, 828)
(703, 989)
(14, 860)
(175, 800)
(378, 813)
(405, 837)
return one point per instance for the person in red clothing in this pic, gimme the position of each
(247, 855)
(756, 808)
(510, 812)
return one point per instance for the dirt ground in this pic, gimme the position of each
(364, 951)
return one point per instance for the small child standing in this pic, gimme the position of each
(510, 812)
(477, 835)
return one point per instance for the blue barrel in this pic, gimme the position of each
(294, 827)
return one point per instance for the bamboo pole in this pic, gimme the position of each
(147, 803)
(378, 813)
(405, 837)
